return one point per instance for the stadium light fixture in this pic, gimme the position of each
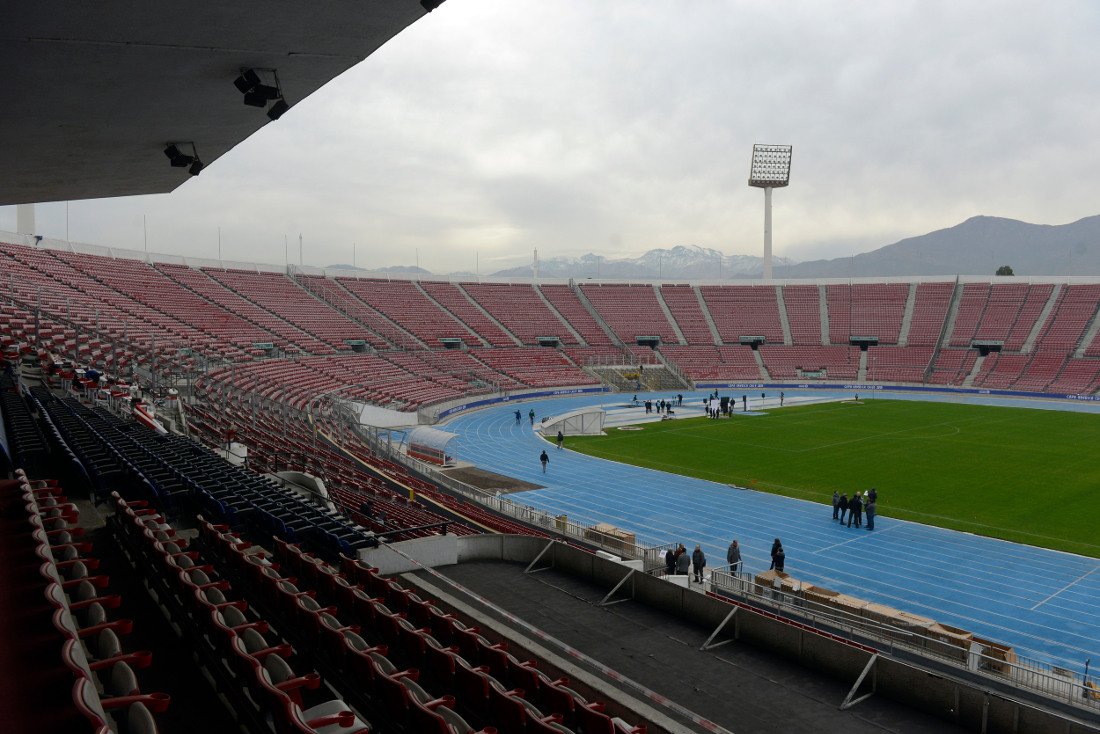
(178, 159)
(257, 93)
(770, 169)
(246, 81)
(278, 109)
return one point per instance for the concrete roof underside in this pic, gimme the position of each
(92, 92)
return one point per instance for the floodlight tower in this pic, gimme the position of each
(771, 168)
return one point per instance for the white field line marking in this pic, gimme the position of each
(1071, 583)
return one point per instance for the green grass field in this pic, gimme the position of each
(1031, 476)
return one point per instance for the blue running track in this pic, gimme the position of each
(1044, 603)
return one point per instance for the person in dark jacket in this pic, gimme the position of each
(561, 440)
(778, 555)
(545, 460)
(855, 510)
(698, 563)
(733, 557)
(843, 505)
(872, 495)
(670, 562)
(836, 504)
(871, 509)
(683, 560)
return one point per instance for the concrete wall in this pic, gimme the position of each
(432, 551)
(967, 703)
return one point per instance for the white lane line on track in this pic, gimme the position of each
(858, 538)
(1071, 583)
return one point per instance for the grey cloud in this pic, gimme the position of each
(488, 129)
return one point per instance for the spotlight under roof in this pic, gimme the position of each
(278, 109)
(176, 157)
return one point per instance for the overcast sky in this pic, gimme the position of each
(490, 128)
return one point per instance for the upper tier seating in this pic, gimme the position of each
(569, 306)
(535, 367)
(630, 311)
(403, 302)
(281, 295)
(117, 313)
(803, 303)
(714, 363)
(786, 363)
(683, 303)
(451, 297)
(866, 309)
(383, 333)
(744, 310)
(933, 300)
(519, 308)
(288, 336)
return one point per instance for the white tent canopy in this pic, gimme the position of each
(583, 422)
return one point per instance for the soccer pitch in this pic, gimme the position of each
(1031, 476)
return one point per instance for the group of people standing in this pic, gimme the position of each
(662, 405)
(677, 561)
(856, 507)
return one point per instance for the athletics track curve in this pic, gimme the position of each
(1044, 603)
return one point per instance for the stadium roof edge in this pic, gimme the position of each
(94, 92)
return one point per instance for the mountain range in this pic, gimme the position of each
(682, 261)
(977, 246)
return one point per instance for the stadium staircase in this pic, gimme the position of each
(1089, 336)
(1044, 316)
(952, 315)
(668, 314)
(784, 322)
(664, 376)
(492, 319)
(907, 317)
(331, 292)
(613, 377)
(707, 315)
(968, 381)
(554, 310)
(823, 307)
(595, 314)
(861, 374)
(423, 292)
(760, 363)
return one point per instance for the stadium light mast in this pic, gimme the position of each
(771, 168)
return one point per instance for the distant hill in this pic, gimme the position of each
(682, 261)
(391, 270)
(978, 246)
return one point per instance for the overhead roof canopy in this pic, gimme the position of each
(93, 91)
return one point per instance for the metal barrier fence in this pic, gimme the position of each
(1023, 672)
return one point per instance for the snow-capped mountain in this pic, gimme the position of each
(682, 261)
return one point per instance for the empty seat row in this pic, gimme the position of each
(105, 694)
